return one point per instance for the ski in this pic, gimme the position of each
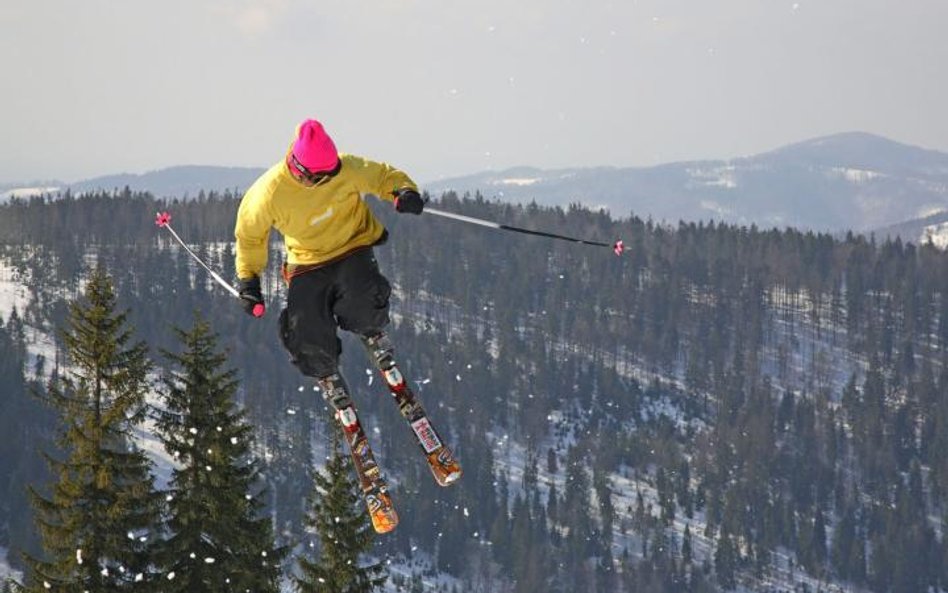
(444, 467)
(373, 486)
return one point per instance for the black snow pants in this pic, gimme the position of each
(351, 294)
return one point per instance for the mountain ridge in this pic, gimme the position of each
(847, 181)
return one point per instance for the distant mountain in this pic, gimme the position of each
(178, 182)
(846, 181)
(175, 181)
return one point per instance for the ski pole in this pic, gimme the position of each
(163, 220)
(618, 247)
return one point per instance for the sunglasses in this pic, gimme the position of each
(310, 178)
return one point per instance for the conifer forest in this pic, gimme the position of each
(720, 408)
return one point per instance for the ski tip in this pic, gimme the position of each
(163, 219)
(382, 512)
(385, 524)
(618, 247)
(450, 478)
(444, 467)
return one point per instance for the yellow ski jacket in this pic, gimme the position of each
(318, 224)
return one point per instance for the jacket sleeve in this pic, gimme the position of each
(252, 231)
(378, 178)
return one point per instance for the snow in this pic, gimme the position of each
(517, 181)
(938, 233)
(39, 341)
(26, 192)
(855, 176)
(723, 177)
(12, 293)
(714, 207)
(5, 571)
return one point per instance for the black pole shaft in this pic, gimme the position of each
(507, 227)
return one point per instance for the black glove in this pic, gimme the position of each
(409, 200)
(250, 296)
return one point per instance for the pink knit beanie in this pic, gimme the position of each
(314, 149)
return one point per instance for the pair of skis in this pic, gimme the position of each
(444, 467)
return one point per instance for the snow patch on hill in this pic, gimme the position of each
(26, 192)
(937, 233)
(724, 177)
(7, 573)
(856, 176)
(518, 181)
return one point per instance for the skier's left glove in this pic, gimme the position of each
(409, 200)
(250, 296)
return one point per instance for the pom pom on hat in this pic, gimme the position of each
(313, 147)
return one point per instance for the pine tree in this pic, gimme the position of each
(687, 546)
(345, 534)
(99, 524)
(725, 561)
(219, 539)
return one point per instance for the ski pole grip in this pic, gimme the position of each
(259, 309)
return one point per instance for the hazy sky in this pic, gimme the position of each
(449, 87)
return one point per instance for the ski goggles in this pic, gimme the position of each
(311, 178)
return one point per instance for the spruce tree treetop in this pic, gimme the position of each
(101, 519)
(345, 534)
(219, 538)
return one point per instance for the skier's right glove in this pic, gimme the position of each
(250, 296)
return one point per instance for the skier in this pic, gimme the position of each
(315, 197)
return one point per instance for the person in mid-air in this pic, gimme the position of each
(315, 196)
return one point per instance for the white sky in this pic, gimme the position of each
(450, 87)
